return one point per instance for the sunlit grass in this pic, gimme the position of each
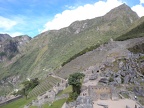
(20, 103)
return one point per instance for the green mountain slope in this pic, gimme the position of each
(137, 30)
(48, 51)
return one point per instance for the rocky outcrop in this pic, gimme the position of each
(139, 91)
(9, 46)
(84, 102)
(4, 37)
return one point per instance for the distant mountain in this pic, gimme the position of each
(4, 37)
(51, 50)
(10, 47)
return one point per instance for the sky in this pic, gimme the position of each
(32, 17)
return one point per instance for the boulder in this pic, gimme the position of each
(136, 83)
(118, 80)
(93, 77)
(126, 79)
(84, 102)
(139, 91)
(113, 83)
(127, 106)
(123, 73)
(104, 80)
(121, 64)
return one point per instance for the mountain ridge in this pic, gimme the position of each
(11, 46)
(49, 50)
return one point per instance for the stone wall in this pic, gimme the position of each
(99, 92)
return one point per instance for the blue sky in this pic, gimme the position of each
(32, 17)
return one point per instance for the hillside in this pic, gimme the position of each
(137, 30)
(48, 51)
(51, 50)
(10, 47)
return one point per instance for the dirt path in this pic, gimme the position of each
(58, 77)
(122, 103)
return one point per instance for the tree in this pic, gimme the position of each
(74, 81)
(28, 86)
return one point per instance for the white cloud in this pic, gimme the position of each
(141, 1)
(139, 9)
(6, 23)
(87, 11)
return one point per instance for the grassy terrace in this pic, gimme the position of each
(65, 91)
(45, 85)
(56, 104)
(20, 103)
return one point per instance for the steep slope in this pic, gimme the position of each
(10, 50)
(3, 44)
(135, 31)
(9, 46)
(98, 57)
(4, 37)
(48, 51)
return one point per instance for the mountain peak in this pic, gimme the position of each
(4, 37)
(121, 11)
(123, 6)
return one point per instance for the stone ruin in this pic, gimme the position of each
(99, 92)
(91, 73)
(50, 96)
(60, 86)
(84, 102)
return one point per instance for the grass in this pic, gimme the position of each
(137, 48)
(55, 104)
(66, 91)
(135, 32)
(33, 107)
(44, 85)
(125, 95)
(141, 99)
(20, 103)
(141, 58)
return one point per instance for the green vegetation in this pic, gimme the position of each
(2, 54)
(20, 103)
(56, 104)
(80, 53)
(141, 99)
(111, 79)
(66, 91)
(28, 86)
(133, 32)
(74, 81)
(43, 86)
(138, 48)
(141, 58)
(125, 95)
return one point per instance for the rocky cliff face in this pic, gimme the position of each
(4, 37)
(9, 46)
